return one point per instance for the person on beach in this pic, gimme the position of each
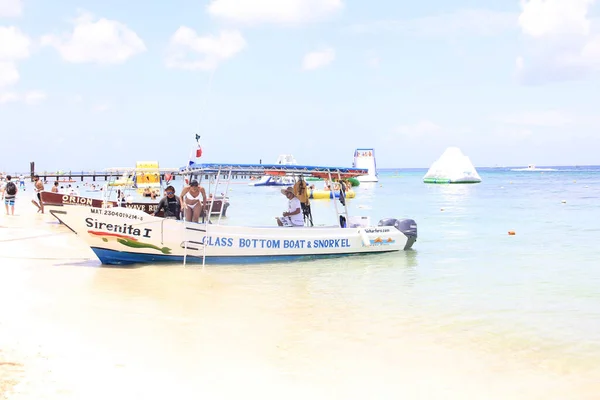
(38, 187)
(55, 187)
(193, 207)
(293, 216)
(8, 194)
(170, 204)
(22, 182)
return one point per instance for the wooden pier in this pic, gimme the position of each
(80, 176)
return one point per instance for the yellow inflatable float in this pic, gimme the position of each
(124, 180)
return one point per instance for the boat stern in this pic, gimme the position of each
(407, 226)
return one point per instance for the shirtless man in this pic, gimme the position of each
(55, 187)
(190, 201)
(38, 187)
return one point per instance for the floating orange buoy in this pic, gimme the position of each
(511, 233)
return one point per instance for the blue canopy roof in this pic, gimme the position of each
(262, 169)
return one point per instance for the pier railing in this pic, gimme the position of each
(94, 175)
(76, 175)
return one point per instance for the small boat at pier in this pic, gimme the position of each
(274, 178)
(50, 199)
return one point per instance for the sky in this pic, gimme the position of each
(88, 84)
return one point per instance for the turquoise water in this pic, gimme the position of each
(534, 296)
(540, 287)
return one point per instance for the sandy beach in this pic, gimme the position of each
(71, 329)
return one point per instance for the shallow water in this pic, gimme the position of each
(471, 312)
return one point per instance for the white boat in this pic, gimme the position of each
(533, 168)
(125, 236)
(365, 158)
(270, 180)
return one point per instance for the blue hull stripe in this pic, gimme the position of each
(113, 257)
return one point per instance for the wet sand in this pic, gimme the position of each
(71, 329)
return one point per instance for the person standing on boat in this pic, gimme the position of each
(193, 207)
(170, 204)
(293, 216)
(301, 192)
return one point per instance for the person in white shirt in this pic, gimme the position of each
(293, 216)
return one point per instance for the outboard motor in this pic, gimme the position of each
(406, 226)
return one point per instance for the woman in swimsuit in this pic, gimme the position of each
(191, 203)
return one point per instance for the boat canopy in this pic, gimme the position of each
(273, 169)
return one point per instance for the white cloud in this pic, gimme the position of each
(189, 51)
(14, 45)
(30, 98)
(421, 128)
(9, 75)
(10, 8)
(468, 22)
(562, 43)
(541, 18)
(318, 59)
(273, 11)
(99, 41)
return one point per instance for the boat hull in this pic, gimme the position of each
(121, 236)
(58, 199)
